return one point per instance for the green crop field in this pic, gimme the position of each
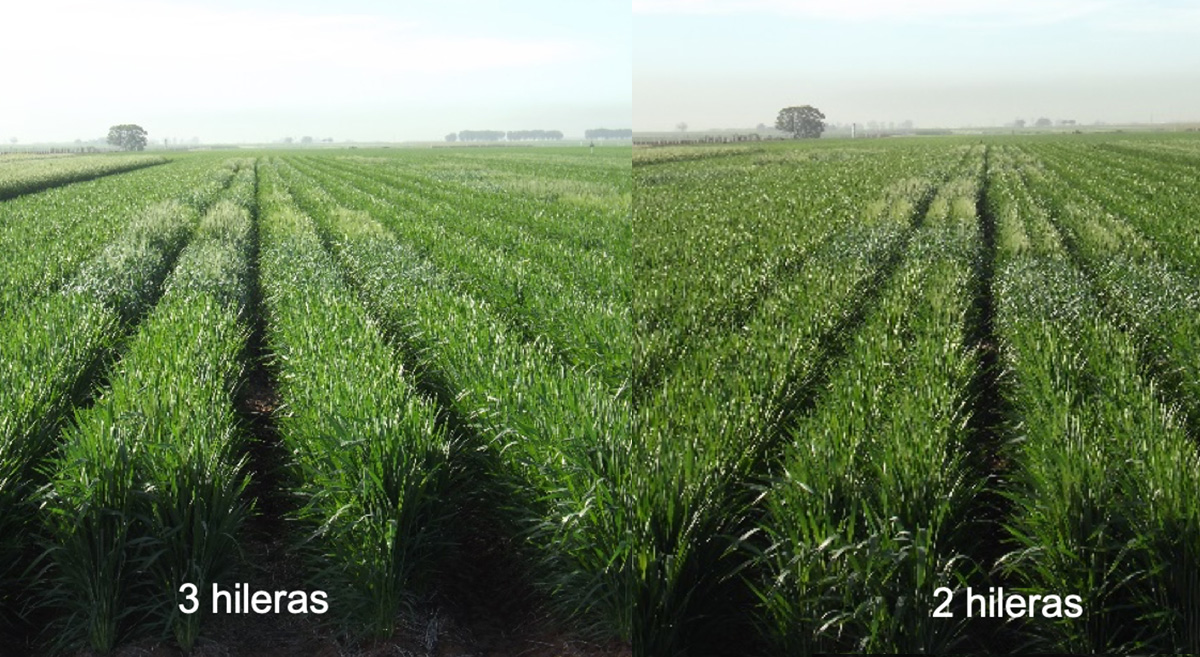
(925, 395)
(872, 378)
(381, 375)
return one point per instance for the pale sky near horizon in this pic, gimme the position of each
(947, 63)
(262, 70)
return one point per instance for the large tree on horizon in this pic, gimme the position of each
(804, 121)
(127, 137)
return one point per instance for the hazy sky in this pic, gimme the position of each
(260, 70)
(735, 63)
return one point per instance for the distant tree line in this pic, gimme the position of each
(52, 150)
(305, 140)
(480, 135)
(534, 135)
(511, 135)
(1042, 122)
(705, 139)
(605, 133)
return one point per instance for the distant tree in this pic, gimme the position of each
(804, 121)
(306, 140)
(1020, 123)
(681, 126)
(1043, 122)
(906, 124)
(288, 140)
(453, 136)
(127, 137)
(12, 140)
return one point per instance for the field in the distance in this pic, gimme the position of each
(400, 377)
(868, 370)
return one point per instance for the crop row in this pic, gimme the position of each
(559, 438)
(375, 469)
(1156, 196)
(56, 345)
(869, 513)
(711, 247)
(1157, 302)
(572, 297)
(717, 418)
(585, 206)
(1105, 478)
(608, 166)
(147, 487)
(25, 176)
(46, 237)
(541, 230)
